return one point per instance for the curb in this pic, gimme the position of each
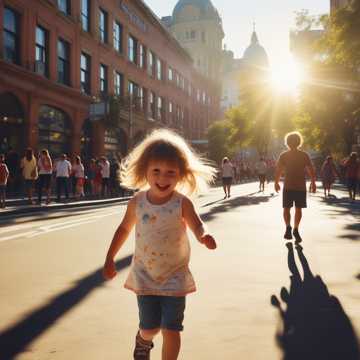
(30, 209)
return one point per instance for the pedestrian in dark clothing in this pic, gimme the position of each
(351, 174)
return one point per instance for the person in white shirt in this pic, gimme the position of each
(63, 171)
(227, 171)
(261, 169)
(105, 175)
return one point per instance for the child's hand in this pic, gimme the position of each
(109, 270)
(208, 241)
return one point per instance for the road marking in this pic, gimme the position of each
(41, 229)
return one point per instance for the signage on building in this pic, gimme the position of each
(136, 20)
(98, 110)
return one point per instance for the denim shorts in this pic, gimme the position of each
(166, 312)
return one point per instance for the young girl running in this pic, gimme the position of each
(163, 167)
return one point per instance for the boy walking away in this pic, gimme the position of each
(4, 174)
(294, 163)
(261, 168)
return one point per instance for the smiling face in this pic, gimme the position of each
(162, 177)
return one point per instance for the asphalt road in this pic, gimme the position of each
(55, 305)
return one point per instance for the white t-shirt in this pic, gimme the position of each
(105, 169)
(63, 168)
(227, 170)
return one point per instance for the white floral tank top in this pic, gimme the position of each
(160, 265)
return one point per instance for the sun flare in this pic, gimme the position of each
(286, 77)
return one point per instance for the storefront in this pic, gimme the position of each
(12, 124)
(54, 131)
(115, 143)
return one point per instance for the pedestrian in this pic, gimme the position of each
(79, 174)
(29, 172)
(294, 163)
(227, 174)
(45, 172)
(105, 176)
(4, 175)
(328, 174)
(63, 171)
(261, 169)
(351, 174)
(91, 171)
(98, 178)
(164, 164)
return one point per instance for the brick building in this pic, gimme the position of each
(57, 57)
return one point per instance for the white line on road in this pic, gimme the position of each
(43, 229)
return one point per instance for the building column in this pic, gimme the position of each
(31, 128)
(98, 135)
(75, 145)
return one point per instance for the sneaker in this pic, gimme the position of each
(142, 348)
(288, 234)
(297, 236)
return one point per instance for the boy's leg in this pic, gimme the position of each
(298, 216)
(171, 344)
(287, 216)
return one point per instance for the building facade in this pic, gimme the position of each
(60, 57)
(197, 26)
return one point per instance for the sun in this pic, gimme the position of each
(286, 77)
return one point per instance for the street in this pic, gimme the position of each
(55, 305)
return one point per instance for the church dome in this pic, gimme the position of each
(255, 54)
(205, 7)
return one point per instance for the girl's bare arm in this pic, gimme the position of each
(194, 222)
(120, 236)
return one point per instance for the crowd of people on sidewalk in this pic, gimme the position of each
(98, 178)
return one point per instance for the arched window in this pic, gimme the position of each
(11, 123)
(54, 130)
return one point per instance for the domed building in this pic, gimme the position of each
(197, 26)
(255, 54)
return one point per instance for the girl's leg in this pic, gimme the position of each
(228, 190)
(224, 187)
(171, 344)
(148, 335)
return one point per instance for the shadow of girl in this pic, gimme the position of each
(313, 323)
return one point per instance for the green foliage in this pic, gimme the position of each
(330, 101)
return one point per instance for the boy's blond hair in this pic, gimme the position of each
(165, 145)
(293, 140)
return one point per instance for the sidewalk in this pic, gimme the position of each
(21, 207)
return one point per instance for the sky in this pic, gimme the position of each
(273, 18)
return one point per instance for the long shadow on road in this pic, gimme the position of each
(338, 207)
(233, 203)
(314, 326)
(18, 337)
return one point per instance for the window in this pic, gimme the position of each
(85, 15)
(158, 69)
(151, 105)
(134, 92)
(64, 6)
(103, 80)
(141, 98)
(177, 79)
(11, 36)
(193, 34)
(117, 37)
(118, 83)
(198, 95)
(63, 63)
(151, 64)
(41, 51)
(171, 111)
(170, 74)
(204, 97)
(132, 49)
(103, 22)
(85, 71)
(160, 102)
(142, 56)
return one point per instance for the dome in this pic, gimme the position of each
(255, 54)
(207, 9)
